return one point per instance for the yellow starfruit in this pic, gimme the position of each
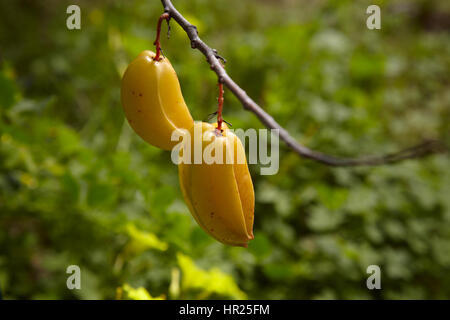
(152, 100)
(219, 195)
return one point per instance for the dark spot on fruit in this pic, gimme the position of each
(133, 92)
(139, 110)
(212, 214)
(212, 230)
(140, 94)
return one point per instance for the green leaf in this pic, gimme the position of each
(130, 293)
(212, 281)
(141, 241)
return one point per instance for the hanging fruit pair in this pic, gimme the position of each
(219, 195)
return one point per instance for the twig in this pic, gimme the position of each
(157, 43)
(220, 107)
(423, 149)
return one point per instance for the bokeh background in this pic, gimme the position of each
(79, 187)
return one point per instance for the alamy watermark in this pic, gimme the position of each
(74, 280)
(374, 20)
(220, 151)
(74, 20)
(374, 280)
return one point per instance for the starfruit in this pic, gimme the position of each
(152, 100)
(219, 195)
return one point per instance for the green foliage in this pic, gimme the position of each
(209, 282)
(78, 186)
(141, 241)
(128, 292)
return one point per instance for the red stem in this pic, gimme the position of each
(220, 108)
(164, 16)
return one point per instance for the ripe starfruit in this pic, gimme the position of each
(152, 100)
(219, 195)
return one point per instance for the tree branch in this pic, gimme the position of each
(423, 149)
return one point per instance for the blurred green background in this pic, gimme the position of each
(78, 186)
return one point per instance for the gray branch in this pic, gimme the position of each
(423, 149)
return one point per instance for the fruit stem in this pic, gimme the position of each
(220, 108)
(164, 16)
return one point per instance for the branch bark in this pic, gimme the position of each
(425, 148)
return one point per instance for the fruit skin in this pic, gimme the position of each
(152, 100)
(220, 196)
